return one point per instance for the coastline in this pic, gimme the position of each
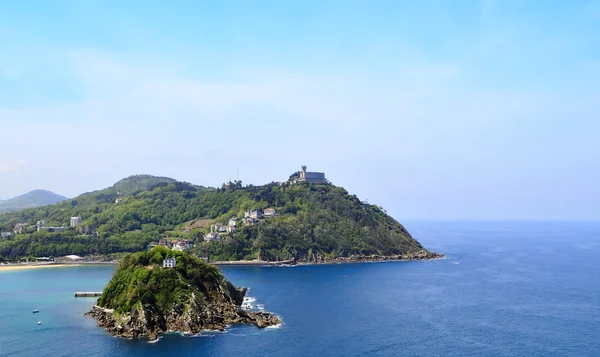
(354, 259)
(29, 266)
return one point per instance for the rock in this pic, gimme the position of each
(193, 319)
(419, 255)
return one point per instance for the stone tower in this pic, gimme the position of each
(303, 172)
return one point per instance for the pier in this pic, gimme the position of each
(88, 294)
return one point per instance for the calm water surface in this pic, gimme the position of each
(506, 289)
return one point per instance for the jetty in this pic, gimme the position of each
(88, 294)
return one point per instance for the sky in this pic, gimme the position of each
(437, 110)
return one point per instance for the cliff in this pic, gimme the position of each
(145, 299)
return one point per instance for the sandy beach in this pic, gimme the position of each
(12, 267)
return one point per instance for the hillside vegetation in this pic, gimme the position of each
(139, 279)
(143, 298)
(315, 220)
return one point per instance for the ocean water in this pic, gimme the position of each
(505, 289)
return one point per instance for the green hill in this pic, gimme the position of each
(31, 199)
(145, 299)
(314, 222)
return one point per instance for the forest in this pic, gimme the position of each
(313, 220)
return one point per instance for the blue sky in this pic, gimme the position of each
(431, 109)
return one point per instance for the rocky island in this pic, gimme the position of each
(164, 290)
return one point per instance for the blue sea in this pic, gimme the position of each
(505, 289)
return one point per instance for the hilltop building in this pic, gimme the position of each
(313, 177)
(6, 234)
(75, 221)
(169, 263)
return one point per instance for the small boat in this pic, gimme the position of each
(39, 322)
(36, 311)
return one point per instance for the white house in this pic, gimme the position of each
(169, 263)
(75, 221)
(219, 227)
(269, 212)
(211, 236)
(253, 214)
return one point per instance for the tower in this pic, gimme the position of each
(303, 172)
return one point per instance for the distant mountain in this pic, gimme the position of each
(31, 199)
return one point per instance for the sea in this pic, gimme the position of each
(504, 289)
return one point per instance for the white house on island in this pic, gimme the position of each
(169, 263)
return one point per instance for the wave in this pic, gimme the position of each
(155, 341)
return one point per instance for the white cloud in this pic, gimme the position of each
(421, 126)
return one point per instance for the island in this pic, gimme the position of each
(163, 290)
(303, 219)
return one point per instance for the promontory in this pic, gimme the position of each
(165, 290)
(304, 219)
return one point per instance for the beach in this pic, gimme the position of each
(27, 266)
(11, 267)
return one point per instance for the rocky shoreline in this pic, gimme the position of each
(321, 259)
(420, 255)
(144, 322)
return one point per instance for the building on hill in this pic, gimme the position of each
(208, 237)
(313, 177)
(6, 234)
(231, 225)
(186, 230)
(256, 214)
(163, 242)
(75, 221)
(269, 212)
(39, 225)
(169, 263)
(20, 228)
(182, 244)
(218, 227)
